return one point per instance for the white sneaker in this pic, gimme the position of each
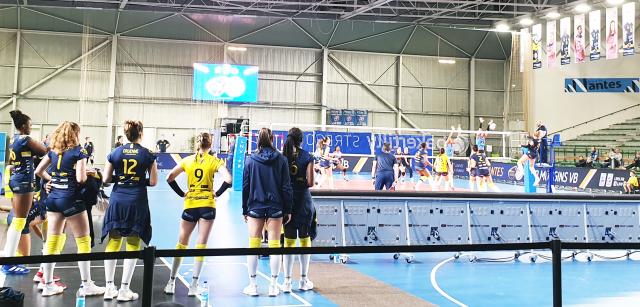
(193, 289)
(110, 292)
(91, 289)
(273, 289)
(286, 287)
(51, 289)
(170, 288)
(306, 285)
(251, 290)
(127, 295)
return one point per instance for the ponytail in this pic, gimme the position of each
(294, 139)
(265, 139)
(20, 120)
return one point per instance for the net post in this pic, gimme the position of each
(556, 260)
(148, 259)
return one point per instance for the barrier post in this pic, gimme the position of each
(556, 260)
(148, 260)
(239, 156)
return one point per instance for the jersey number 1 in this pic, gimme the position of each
(130, 169)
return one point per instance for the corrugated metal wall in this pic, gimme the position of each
(154, 84)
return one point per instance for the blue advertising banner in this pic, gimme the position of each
(335, 117)
(348, 117)
(238, 162)
(3, 156)
(279, 136)
(362, 117)
(349, 142)
(605, 85)
(411, 141)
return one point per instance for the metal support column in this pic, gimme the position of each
(323, 90)
(16, 72)
(399, 102)
(556, 260)
(112, 92)
(472, 92)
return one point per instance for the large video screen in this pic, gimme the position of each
(225, 82)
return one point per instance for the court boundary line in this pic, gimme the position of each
(435, 285)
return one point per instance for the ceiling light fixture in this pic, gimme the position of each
(582, 8)
(553, 15)
(526, 21)
(234, 48)
(502, 27)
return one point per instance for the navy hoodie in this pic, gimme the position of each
(266, 182)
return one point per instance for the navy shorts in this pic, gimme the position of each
(21, 186)
(482, 173)
(67, 206)
(532, 154)
(444, 174)
(194, 214)
(384, 180)
(265, 213)
(325, 163)
(473, 172)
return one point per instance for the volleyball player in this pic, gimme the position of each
(443, 167)
(481, 135)
(68, 172)
(531, 155)
(385, 169)
(407, 162)
(402, 166)
(420, 164)
(21, 180)
(471, 167)
(482, 166)
(338, 162)
(325, 162)
(127, 218)
(302, 212)
(199, 203)
(267, 198)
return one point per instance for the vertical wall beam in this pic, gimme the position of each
(16, 72)
(399, 98)
(323, 88)
(472, 92)
(112, 92)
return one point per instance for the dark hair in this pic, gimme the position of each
(294, 139)
(441, 151)
(265, 139)
(474, 147)
(119, 137)
(133, 130)
(386, 147)
(423, 145)
(20, 120)
(481, 151)
(204, 139)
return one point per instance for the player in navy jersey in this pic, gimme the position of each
(385, 169)
(471, 168)
(21, 181)
(420, 164)
(303, 211)
(482, 165)
(128, 213)
(531, 155)
(68, 172)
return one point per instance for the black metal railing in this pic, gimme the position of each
(149, 255)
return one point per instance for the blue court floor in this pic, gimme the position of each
(437, 277)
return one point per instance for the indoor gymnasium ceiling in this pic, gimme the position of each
(436, 28)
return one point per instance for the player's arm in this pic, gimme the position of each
(171, 180)
(226, 183)
(373, 168)
(108, 173)
(38, 148)
(41, 169)
(472, 163)
(310, 175)
(153, 174)
(395, 172)
(81, 171)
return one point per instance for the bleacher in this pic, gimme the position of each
(624, 135)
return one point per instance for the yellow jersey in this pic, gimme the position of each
(443, 165)
(7, 190)
(200, 170)
(633, 181)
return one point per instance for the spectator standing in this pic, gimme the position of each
(162, 145)
(88, 147)
(636, 162)
(118, 142)
(541, 135)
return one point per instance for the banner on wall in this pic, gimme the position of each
(411, 141)
(565, 41)
(609, 85)
(628, 28)
(348, 118)
(335, 117)
(524, 39)
(579, 40)
(551, 44)
(349, 142)
(594, 31)
(362, 117)
(612, 33)
(536, 41)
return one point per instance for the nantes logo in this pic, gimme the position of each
(611, 85)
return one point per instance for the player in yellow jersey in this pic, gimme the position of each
(443, 167)
(199, 203)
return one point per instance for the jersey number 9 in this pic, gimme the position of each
(130, 166)
(199, 173)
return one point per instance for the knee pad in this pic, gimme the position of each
(51, 246)
(18, 223)
(113, 245)
(200, 246)
(274, 244)
(289, 242)
(84, 244)
(305, 242)
(133, 244)
(62, 240)
(255, 242)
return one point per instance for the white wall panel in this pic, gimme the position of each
(490, 75)
(412, 99)
(369, 67)
(6, 83)
(279, 59)
(489, 103)
(7, 48)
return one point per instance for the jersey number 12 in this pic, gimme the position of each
(130, 169)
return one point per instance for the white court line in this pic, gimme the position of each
(434, 283)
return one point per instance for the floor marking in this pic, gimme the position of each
(434, 283)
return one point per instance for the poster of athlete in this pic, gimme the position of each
(551, 44)
(628, 28)
(594, 31)
(579, 39)
(612, 33)
(565, 41)
(536, 41)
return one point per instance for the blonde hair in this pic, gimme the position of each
(65, 137)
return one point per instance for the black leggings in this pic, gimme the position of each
(292, 232)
